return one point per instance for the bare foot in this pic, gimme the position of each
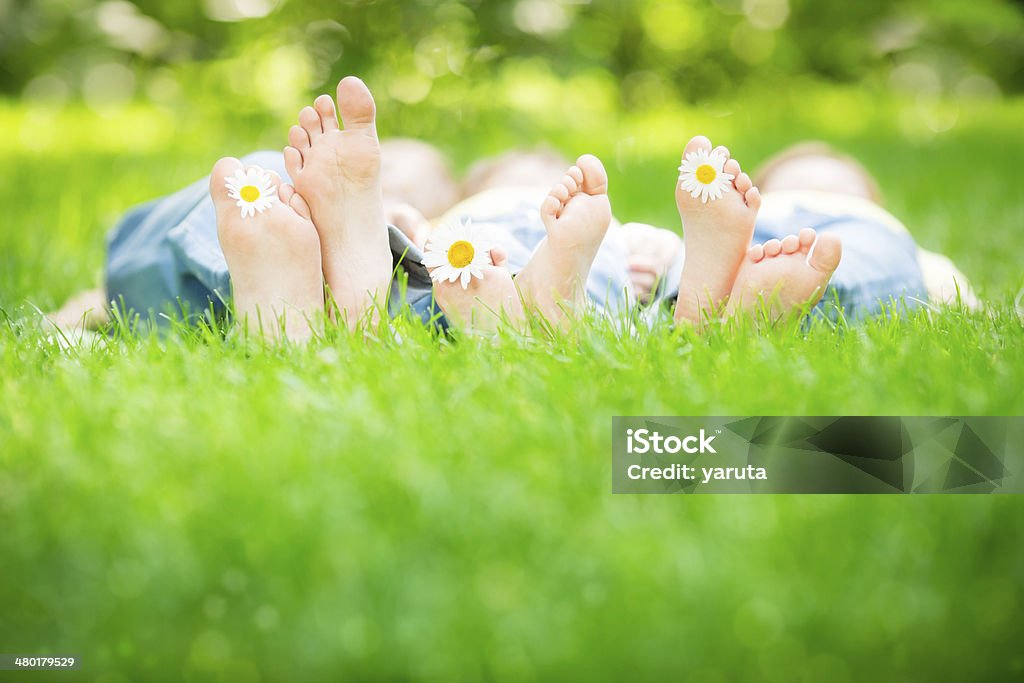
(716, 234)
(86, 310)
(783, 277)
(338, 172)
(576, 215)
(651, 253)
(273, 257)
(486, 303)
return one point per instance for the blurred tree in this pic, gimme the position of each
(651, 48)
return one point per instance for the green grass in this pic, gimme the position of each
(183, 509)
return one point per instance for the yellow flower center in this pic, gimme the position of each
(706, 173)
(249, 193)
(460, 254)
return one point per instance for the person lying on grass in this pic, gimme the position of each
(272, 229)
(806, 185)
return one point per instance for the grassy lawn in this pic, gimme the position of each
(174, 509)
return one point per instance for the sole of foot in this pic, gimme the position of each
(576, 214)
(716, 235)
(273, 257)
(338, 171)
(487, 304)
(782, 278)
(87, 310)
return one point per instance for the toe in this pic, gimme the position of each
(570, 184)
(275, 179)
(356, 104)
(743, 182)
(560, 192)
(222, 170)
(549, 209)
(806, 237)
(292, 161)
(724, 151)
(310, 121)
(285, 192)
(697, 143)
(756, 253)
(499, 257)
(298, 138)
(772, 248)
(732, 167)
(576, 174)
(790, 244)
(826, 254)
(595, 178)
(753, 197)
(297, 203)
(324, 106)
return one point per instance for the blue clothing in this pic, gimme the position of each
(879, 265)
(510, 218)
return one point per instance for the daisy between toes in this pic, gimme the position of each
(703, 175)
(457, 252)
(252, 189)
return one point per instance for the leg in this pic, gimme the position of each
(716, 234)
(273, 257)
(338, 172)
(576, 215)
(785, 277)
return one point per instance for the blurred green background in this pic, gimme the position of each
(634, 54)
(174, 509)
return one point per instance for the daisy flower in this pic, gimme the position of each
(252, 189)
(702, 176)
(456, 252)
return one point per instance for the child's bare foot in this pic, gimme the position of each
(86, 310)
(576, 215)
(716, 235)
(785, 276)
(486, 303)
(338, 171)
(273, 257)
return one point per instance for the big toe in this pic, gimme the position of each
(826, 254)
(355, 103)
(595, 178)
(697, 142)
(222, 170)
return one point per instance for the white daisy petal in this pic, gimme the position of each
(252, 189)
(702, 175)
(462, 264)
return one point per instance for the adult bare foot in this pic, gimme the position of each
(784, 277)
(273, 255)
(576, 214)
(338, 172)
(487, 303)
(716, 233)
